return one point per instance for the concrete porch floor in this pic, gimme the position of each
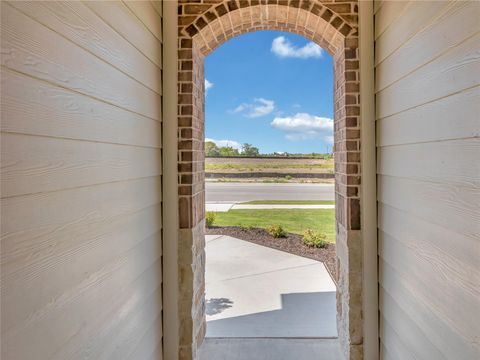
(264, 303)
(269, 349)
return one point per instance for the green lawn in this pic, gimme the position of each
(292, 220)
(290, 202)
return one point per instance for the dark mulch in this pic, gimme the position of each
(292, 244)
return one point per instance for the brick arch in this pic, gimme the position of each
(202, 27)
(213, 29)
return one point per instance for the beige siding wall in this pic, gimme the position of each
(428, 125)
(81, 138)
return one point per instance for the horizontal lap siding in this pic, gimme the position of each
(81, 143)
(427, 88)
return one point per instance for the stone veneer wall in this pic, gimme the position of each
(206, 24)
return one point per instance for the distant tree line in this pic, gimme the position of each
(212, 150)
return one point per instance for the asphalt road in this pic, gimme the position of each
(238, 192)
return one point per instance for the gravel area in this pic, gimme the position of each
(292, 244)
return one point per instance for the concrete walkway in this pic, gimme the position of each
(270, 349)
(224, 207)
(254, 291)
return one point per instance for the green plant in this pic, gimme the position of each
(288, 177)
(210, 218)
(314, 239)
(244, 227)
(277, 231)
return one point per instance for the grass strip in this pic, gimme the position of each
(292, 220)
(290, 202)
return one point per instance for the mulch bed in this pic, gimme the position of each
(292, 244)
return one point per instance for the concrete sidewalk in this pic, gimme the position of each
(218, 207)
(223, 207)
(281, 206)
(254, 291)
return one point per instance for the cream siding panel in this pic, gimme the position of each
(81, 161)
(450, 73)
(145, 11)
(377, 5)
(451, 162)
(438, 295)
(388, 14)
(413, 338)
(36, 107)
(128, 337)
(441, 35)
(451, 117)
(34, 212)
(81, 307)
(143, 350)
(459, 252)
(120, 17)
(394, 350)
(37, 164)
(450, 206)
(428, 126)
(417, 16)
(83, 27)
(157, 5)
(101, 242)
(130, 301)
(34, 50)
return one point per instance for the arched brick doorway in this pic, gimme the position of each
(202, 26)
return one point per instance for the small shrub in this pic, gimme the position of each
(288, 177)
(244, 227)
(314, 239)
(210, 218)
(277, 231)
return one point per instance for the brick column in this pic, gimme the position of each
(191, 198)
(347, 197)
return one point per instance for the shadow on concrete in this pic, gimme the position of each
(217, 305)
(302, 315)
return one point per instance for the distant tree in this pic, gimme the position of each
(228, 151)
(249, 150)
(211, 149)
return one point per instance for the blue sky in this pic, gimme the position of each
(270, 89)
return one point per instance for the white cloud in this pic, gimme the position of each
(208, 85)
(284, 49)
(231, 143)
(262, 107)
(303, 126)
(239, 108)
(259, 107)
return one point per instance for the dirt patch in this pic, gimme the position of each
(279, 180)
(292, 244)
(283, 166)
